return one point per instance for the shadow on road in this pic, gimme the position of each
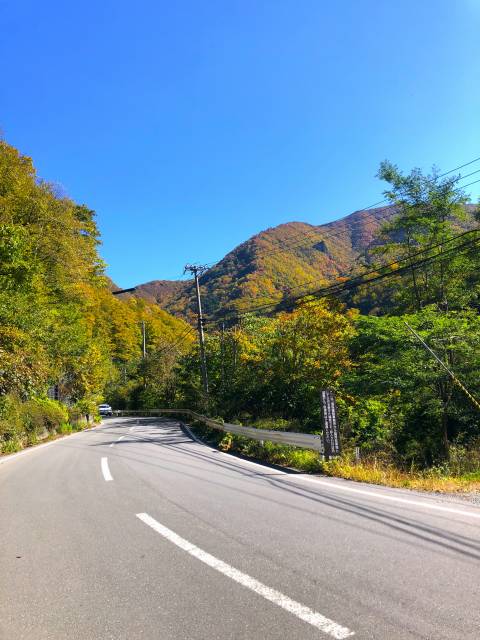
(169, 436)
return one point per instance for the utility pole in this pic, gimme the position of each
(222, 356)
(197, 271)
(144, 342)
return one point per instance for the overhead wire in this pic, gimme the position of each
(322, 236)
(348, 286)
(389, 214)
(358, 281)
(393, 212)
(313, 281)
(177, 342)
(311, 233)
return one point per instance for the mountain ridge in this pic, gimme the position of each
(277, 261)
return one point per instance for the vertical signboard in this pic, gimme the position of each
(331, 434)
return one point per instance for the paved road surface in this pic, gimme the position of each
(133, 530)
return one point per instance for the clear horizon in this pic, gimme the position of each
(190, 128)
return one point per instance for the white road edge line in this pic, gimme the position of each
(37, 447)
(106, 471)
(306, 614)
(334, 486)
(383, 496)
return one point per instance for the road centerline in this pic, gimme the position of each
(317, 620)
(106, 471)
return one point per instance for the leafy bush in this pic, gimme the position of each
(11, 446)
(25, 423)
(76, 416)
(40, 414)
(274, 424)
(11, 424)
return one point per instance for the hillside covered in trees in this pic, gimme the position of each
(289, 259)
(62, 332)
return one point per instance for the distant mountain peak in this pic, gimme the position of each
(274, 262)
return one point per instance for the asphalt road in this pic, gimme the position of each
(155, 536)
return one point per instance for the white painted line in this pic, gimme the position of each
(131, 428)
(384, 496)
(345, 487)
(306, 614)
(106, 471)
(36, 447)
(118, 440)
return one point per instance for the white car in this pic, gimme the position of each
(105, 410)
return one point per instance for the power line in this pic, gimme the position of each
(358, 281)
(464, 186)
(389, 214)
(312, 281)
(455, 379)
(177, 342)
(373, 271)
(380, 202)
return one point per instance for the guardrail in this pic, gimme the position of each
(303, 440)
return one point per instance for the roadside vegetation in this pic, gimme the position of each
(410, 423)
(62, 333)
(460, 475)
(404, 420)
(24, 424)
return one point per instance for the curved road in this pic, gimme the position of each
(133, 530)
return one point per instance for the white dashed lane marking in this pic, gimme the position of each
(317, 620)
(106, 471)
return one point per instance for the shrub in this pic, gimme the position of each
(75, 415)
(24, 423)
(11, 425)
(64, 428)
(11, 446)
(274, 424)
(44, 414)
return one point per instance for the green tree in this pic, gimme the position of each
(425, 410)
(431, 212)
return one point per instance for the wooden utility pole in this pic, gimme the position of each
(222, 356)
(197, 271)
(144, 342)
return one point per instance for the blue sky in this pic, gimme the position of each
(191, 125)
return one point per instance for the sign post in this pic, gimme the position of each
(331, 433)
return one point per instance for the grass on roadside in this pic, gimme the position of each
(429, 480)
(374, 472)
